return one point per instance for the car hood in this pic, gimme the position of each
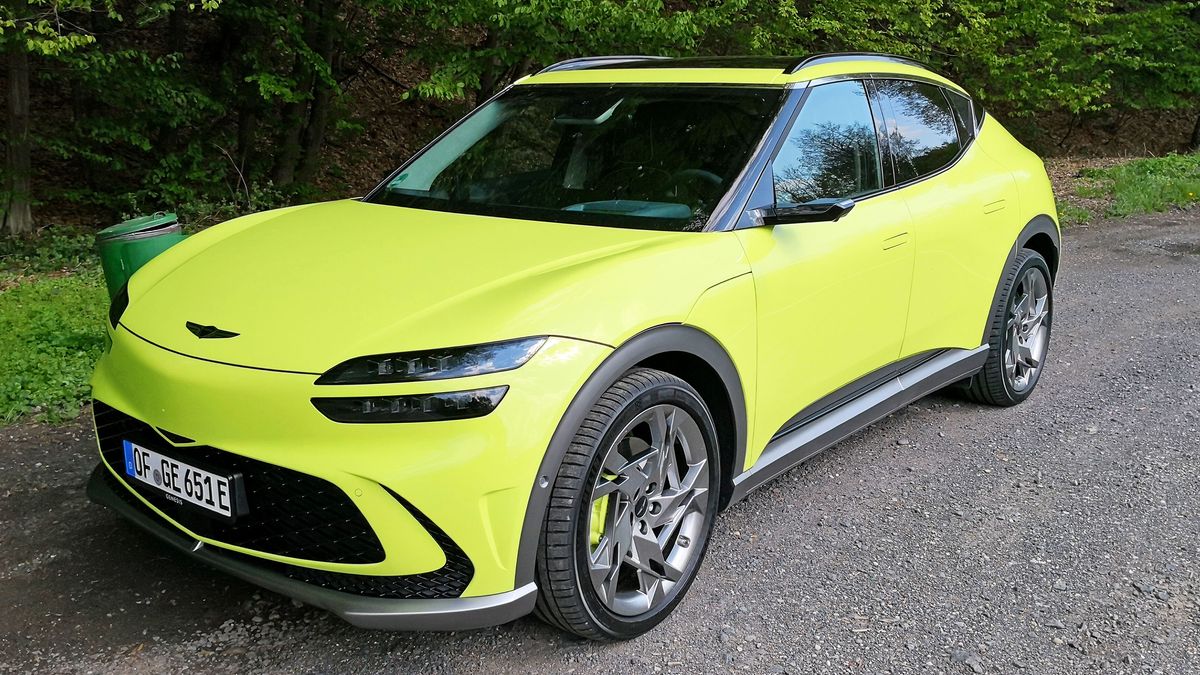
(308, 287)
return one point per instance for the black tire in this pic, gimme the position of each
(566, 597)
(990, 385)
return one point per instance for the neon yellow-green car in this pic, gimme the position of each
(526, 372)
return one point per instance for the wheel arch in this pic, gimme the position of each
(684, 351)
(1040, 234)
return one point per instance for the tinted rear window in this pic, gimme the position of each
(921, 130)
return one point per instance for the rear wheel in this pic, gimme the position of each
(631, 509)
(1019, 334)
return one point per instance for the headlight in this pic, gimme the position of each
(434, 364)
(119, 302)
(454, 405)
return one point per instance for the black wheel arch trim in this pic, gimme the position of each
(651, 342)
(1040, 224)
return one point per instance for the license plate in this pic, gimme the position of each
(181, 482)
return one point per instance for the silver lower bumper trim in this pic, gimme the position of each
(362, 611)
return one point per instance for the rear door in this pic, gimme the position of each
(832, 296)
(958, 197)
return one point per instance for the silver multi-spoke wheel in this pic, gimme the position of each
(1018, 333)
(648, 508)
(631, 508)
(1027, 330)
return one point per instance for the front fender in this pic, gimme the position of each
(645, 345)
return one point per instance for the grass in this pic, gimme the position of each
(1148, 185)
(1069, 214)
(53, 306)
(51, 333)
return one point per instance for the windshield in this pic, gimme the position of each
(649, 157)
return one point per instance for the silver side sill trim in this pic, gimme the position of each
(804, 442)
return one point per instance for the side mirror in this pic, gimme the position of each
(816, 211)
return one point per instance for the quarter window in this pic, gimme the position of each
(921, 130)
(962, 114)
(830, 151)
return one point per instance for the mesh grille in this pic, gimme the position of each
(290, 513)
(448, 582)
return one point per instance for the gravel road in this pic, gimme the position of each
(1061, 536)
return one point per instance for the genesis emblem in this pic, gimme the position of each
(209, 332)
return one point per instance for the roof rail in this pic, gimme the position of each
(594, 61)
(854, 56)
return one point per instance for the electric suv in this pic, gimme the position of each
(526, 372)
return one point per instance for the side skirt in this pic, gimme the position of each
(790, 449)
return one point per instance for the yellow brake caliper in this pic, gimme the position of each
(600, 514)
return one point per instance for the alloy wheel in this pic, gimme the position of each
(648, 509)
(1028, 330)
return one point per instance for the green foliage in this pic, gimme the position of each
(51, 333)
(1147, 185)
(197, 214)
(159, 157)
(1155, 57)
(513, 37)
(53, 250)
(37, 26)
(160, 104)
(1069, 214)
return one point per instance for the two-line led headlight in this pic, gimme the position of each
(453, 405)
(434, 364)
(419, 366)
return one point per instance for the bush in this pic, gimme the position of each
(198, 214)
(50, 250)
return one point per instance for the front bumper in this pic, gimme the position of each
(428, 491)
(365, 612)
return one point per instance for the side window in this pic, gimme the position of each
(962, 114)
(921, 131)
(830, 151)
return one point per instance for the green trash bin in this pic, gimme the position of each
(127, 246)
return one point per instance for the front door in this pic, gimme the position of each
(832, 296)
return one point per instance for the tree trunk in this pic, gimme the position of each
(240, 43)
(18, 219)
(1194, 145)
(318, 118)
(491, 69)
(247, 118)
(292, 117)
(284, 172)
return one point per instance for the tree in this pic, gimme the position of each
(1156, 57)
(506, 39)
(45, 31)
(18, 218)
(27, 26)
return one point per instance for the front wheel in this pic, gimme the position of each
(631, 510)
(1019, 333)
